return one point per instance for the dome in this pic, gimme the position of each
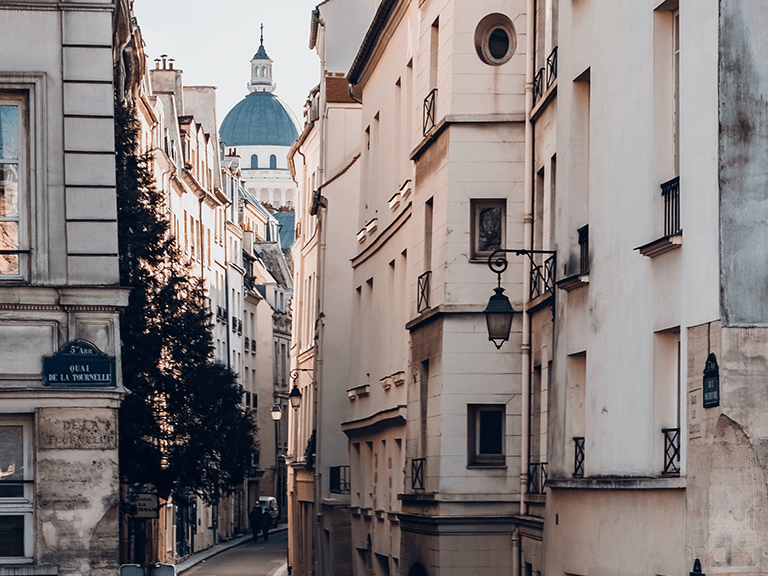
(259, 119)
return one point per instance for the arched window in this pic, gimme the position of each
(254, 162)
(273, 162)
(263, 71)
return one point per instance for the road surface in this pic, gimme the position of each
(249, 559)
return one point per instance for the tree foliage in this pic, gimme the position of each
(182, 426)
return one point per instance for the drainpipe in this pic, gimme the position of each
(525, 349)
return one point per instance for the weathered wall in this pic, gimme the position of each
(743, 87)
(77, 489)
(727, 498)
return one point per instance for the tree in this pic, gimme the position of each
(182, 426)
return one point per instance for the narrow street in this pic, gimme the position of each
(249, 559)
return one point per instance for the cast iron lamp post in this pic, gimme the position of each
(499, 312)
(295, 396)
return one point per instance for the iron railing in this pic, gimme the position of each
(578, 461)
(417, 473)
(253, 345)
(422, 295)
(247, 343)
(583, 250)
(234, 323)
(670, 191)
(537, 477)
(542, 277)
(552, 67)
(538, 85)
(339, 479)
(671, 450)
(429, 111)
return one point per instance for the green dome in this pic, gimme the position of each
(259, 119)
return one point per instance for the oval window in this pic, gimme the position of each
(495, 39)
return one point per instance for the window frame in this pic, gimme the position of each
(19, 99)
(24, 505)
(476, 205)
(474, 457)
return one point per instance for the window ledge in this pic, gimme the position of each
(618, 483)
(486, 466)
(661, 246)
(573, 282)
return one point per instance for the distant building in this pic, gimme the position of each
(262, 129)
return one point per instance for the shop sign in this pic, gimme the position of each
(711, 391)
(79, 364)
(147, 505)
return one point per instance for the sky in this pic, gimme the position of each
(213, 42)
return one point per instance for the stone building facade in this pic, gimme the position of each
(60, 299)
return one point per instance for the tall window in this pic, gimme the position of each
(676, 95)
(488, 227)
(485, 434)
(16, 490)
(11, 186)
(254, 162)
(273, 162)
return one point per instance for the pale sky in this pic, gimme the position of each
(213, 42)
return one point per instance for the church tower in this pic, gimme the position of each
(261, 70)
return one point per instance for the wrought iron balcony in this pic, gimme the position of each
(339, 479)
(422, 295)
(234, 324)
(247, 343)
(417, 473)
(542, 277)
(670, 192)
(578, 461)
(537, 477)
(429, 111)
(584, 250)
(538, 85)
(253, 345)
(671, 451)
(552, 67)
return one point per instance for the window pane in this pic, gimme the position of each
(11, 536)
(490, 432)
(489, 229)
(9, 132)
(498, 44)
(9, 191)
(11, 460)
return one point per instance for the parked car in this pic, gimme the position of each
(269, 508)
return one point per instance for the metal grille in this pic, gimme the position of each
(583, 250)
(422, 296)
(417, 473)
(671, 450)
(670, 191)
(552, 67)
(578, 461)
(538, 85)
(537, 477)
(542, 277)
(429, 111)
(339, 479)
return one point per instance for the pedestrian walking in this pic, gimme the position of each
(256, 520)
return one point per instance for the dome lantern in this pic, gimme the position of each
(261, 70)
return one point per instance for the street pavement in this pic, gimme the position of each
(247, 559)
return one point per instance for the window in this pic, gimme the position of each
(16, 490)
(273, 162)
(12, 170)
(254, 162)
(488, 227)
(485, 434)
(495, 39)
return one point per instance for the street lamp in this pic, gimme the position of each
(277, 412)
(499, 312)
(295, 397)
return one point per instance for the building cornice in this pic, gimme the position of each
(389, 418)
(382, 238)
(375, 39)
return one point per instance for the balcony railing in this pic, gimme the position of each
(670, 192)
(239, 326)
(578, 461)
(537, 477)
(429, 111)
(339, 479)
(247, 343)
(671, 450)
(253, 345)
(538, 85)
(422, 295)
(552, 67)
(234, 324)
(417, 473)
(583, 250)
(542, 277)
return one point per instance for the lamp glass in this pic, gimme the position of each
(498, 317)
(295, 397)
(277, 412)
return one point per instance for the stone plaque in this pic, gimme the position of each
(79, 364)
(78, 433)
